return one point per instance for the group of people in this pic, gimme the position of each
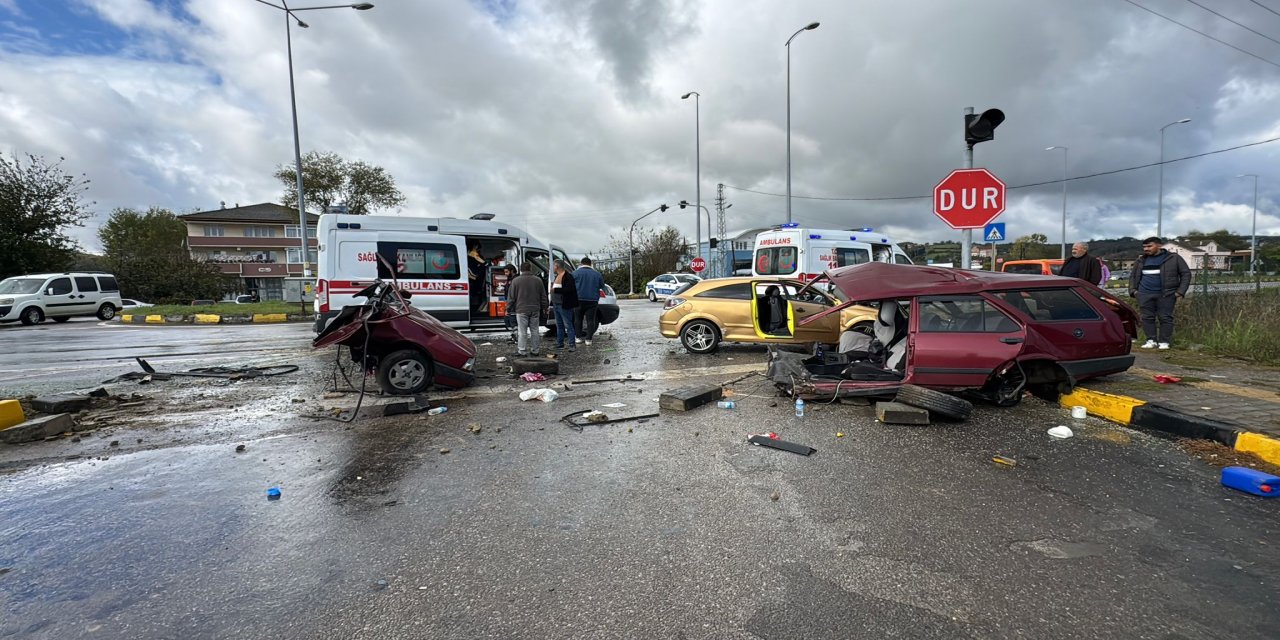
(1158, 280)
(529, 297)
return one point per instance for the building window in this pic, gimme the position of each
(295, 256)
(259, 232)
(214, 231)
(291, 231)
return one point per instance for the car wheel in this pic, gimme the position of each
(106, 311)
(700, 336)
(31, 315)
(61, 318)
(404, 373)
(947, 406)
(653, 296)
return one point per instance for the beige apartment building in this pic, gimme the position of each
(259, 243)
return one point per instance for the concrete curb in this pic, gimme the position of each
(1148, 415)
(213, 318)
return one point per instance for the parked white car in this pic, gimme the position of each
(59, 296)
(130, 303)
(664, 285)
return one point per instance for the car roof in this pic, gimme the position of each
(880, 280)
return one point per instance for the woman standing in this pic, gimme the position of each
(564, 299)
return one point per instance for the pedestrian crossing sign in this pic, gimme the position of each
(993, 232)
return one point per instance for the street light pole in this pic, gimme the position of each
(808, 27)
(697, 137)
(1253, 235)
(1063, 254)
(305, 250)
(1160, 202)
(631, 251)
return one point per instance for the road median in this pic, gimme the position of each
(214, 318)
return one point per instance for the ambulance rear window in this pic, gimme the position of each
(419, 261)
(776, 261)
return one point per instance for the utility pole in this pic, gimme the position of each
(966, 236)
(721, 233)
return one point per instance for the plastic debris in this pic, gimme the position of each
(500, 359)
(1251, 481)
(595, 416)
(1005, 460)
(726, 404)
(531, 376)
(545, 395)
(1166, 379)
(437, 411)
(1079, 413)
(771, 440)
(1061, 432)
(273, 493)
(614, 405)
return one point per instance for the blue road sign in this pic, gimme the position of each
(993, 232)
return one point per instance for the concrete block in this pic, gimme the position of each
(898, 413)
(38, 428)
(686, 398)
(11, 414)
(61, 403)
(155, 319)
(208, 318)
(269, 317)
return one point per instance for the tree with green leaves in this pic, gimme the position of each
(656, 252)
(327, 179)
(38, 202)
(1033, 247)
(147, 252)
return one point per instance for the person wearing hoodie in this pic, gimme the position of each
(590, 284)
(564, 299)
(527, 298)
(1158, 280)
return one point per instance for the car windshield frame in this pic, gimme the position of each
(12, 286)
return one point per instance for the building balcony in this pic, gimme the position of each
(241, 241)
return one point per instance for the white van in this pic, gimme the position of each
(430, 260)
(59, 296)
(804, 253)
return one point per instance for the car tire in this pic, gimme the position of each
(404, 373)
(107, 311)
(947, 406)
(653, 296)
(700, 336)
(31, 315)
(545, 366)
(61, 318)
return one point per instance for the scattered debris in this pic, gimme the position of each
(60, 403)
(601, 418)
(298, 400)
(530, 376)
(100, 392)
(726, 404)
(899, 413)
(596, 417)
(839, 434)
(1251, 481)
(1005, 460)
(437, 411)
(474, 428)
(114, 443)
(771, 440)
(1166, 379)
(240, 448)
(545, 395)
(149, 373)
(775, 495)
(500, 359)
(38, 428)
(444, 450)
(614, 405)
(333, 395)
(686, 398)
(545, 366)
(1079, 413)
(1061, 432)
(273, 493)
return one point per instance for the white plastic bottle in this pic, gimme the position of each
(799, 407)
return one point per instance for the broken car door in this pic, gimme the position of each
(959, 341)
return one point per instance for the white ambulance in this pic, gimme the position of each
(429, 256)
(804, 253)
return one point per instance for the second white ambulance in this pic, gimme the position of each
(804, 253)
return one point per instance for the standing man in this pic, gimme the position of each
(1158, 280)
(527, 298)
(564, 299)
(1082, 265)
(590, 284)
(477, 269)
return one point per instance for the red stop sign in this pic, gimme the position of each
(969, 198)
(698, 265)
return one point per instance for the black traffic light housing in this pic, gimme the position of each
(663, 207)
(714, 243)
(981, 128)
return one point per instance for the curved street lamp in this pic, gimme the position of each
(1160, 202)
(305, 250)
(631, 250)
(809, 27)
(1253, 235)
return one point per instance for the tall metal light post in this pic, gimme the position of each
(1253, 235)
(808, 27)
(697, 141)
(631, 250)
(293, 107)
(1160, 202)
(1064, 198)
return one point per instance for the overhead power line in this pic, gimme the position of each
(1024, 186)
(1189, 28)
(1264, 6)
(1242, 26)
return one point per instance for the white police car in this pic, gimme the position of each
(662, 286)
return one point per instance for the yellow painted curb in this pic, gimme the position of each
(270, 317)
(155, 319)
(1259, 445)
(11, 414)
(1104, 405)
(127, 318)
(208, 318)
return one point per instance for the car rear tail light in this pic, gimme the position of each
(322, 295)
(673, 302)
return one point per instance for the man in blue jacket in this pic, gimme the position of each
(590, 284)
(1158, 279)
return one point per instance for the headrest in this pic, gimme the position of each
(888, 311)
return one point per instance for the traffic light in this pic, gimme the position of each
(981, 128)
(714, 242)
(663, 207)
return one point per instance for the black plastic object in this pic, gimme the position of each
(774, 443)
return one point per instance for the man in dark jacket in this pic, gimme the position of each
(1082, 265)
(527, 298)
(1158, 280)
(589, 284)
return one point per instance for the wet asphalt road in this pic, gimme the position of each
(670, 528)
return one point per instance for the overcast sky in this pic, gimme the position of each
(565, 115)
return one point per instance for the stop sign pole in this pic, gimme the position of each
(966, 239)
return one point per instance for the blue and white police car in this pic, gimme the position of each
(666, 284)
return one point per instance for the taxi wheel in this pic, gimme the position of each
(700, 336)
(653, 296)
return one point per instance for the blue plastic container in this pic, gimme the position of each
(1251, 481)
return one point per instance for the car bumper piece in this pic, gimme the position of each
(1092, 368)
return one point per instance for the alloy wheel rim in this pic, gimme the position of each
(406, 374)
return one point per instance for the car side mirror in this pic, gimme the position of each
(49, 291)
